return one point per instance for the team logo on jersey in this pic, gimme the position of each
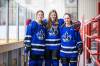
(66, 37)
(53, 31)
(40, 35)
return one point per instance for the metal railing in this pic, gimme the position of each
(91, 33)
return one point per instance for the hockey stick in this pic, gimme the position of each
(79, 60)
(26, 59)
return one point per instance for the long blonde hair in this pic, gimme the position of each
(49, 24)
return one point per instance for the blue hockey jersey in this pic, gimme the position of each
(70, 41)
(35, 38)
(53, 37)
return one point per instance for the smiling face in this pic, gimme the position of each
(40, 16)
(53, 16)
(67, 19)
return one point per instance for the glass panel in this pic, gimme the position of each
(3, 20)
(22, 19)
(32, 15)
(13, 13)
(28, 14)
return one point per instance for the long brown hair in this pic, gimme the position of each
(49, 24)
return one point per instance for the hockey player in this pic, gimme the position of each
(71, 44)
(35, 40)
(52, 40)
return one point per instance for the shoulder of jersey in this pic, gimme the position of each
(33, 23)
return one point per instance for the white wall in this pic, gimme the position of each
(59, 5)
(87, 8)
(46, 6)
